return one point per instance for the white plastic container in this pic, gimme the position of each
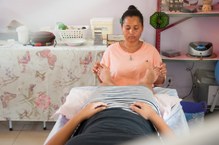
(105, 25)
(23, 35)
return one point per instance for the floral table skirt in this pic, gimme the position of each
(34, 81)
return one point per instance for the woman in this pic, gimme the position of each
(102, 124)
(126, 59)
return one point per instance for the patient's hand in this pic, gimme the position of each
(90, 109)
(143, 109)
(149, 113)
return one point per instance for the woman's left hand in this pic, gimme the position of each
(163, 70)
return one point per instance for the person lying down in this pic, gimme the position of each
(114, 115)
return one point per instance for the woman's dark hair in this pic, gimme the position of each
(132, 11)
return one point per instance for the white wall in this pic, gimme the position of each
(41, 13)
(178, 37)
(194, 29)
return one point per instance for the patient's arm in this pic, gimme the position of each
(148, 113)
(62, 136)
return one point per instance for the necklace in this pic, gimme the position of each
(130, 58)
(125, 48)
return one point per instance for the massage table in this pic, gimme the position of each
(175, 118)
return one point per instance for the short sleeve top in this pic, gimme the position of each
(128, 68)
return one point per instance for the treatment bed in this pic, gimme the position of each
(167, 98)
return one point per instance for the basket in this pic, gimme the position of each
(194, 112)
(73, 32)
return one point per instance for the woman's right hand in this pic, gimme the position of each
(90, 109)
(96, 67)
(96, 70)
(104, 75)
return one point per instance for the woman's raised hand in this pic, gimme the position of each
(150, 76)
(163, 70)
(96, 67)
(104, 75)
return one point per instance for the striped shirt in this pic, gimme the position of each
(123, 96)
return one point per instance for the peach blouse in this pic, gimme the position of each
(128, 68)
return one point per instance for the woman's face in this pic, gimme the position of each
(132, 29)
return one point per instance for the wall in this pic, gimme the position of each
(178, 37)
(41, 13)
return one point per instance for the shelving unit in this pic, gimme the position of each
(214, 13)
(186, 57)
(184, 17)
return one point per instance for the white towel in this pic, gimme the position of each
(165, 103)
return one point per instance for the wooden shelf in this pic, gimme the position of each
(183, 17)
(187, 57)
(214, 13)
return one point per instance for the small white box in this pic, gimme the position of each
(105, 25)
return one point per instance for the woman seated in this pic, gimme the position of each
(107, 120)
(126, 58)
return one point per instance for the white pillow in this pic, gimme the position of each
(166, 103)
(75, 101)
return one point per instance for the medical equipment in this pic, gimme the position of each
(200, 49)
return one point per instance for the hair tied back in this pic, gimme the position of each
(132, 7)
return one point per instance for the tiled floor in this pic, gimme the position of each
(30, 133)
(24, 133)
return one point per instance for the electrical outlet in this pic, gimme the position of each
(169, 81)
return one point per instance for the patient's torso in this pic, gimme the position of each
(123, 96)
(110, 127)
